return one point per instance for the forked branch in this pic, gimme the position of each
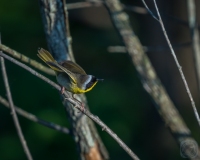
(148, 76)
(178, 65)
(77, 105)
(13, 113)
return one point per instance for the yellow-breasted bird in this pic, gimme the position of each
(69, 74)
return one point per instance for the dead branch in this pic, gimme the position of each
(26, 59)
(194, 32)
(178, 65)
(34, 118)
(13, 113)
(148, 76)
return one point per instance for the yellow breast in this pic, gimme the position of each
(77, 90)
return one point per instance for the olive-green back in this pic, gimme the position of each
(73, 67)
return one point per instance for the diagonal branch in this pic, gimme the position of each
(34, 118)
(13, 113)
(26, 59)
(77, 105)
(55, 19)
(178, 65)
(148, 76)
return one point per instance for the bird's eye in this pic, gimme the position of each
(94, 79)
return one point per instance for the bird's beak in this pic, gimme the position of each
(100, 80)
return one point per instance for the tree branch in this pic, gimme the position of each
(78, 5)
(26, 59)
(136, 9)
(13, 113)
(148, 77)
(76, 105)
(178, 65)
(122, 49)
(34, 118)
(56, 24)
(194, 32)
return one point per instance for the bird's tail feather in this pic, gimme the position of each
(47, 57)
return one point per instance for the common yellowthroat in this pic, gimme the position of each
(69, 74)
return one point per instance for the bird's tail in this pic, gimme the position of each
(47, 57)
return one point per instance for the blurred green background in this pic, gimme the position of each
(119, 101)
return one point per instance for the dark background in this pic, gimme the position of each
(119, 101)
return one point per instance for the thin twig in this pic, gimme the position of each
(67, 32)
(98, 3)
(35, 118)
(194, 32)
(151, 13)
(30, 70)
(26, 59)
(117, 49)
(122, 49)
(78, 5)
(77, 105)
(148, 77)
(178, 65)
(136, 9)
(13, 113)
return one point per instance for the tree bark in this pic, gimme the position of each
(56, 25)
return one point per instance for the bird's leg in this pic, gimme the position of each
(62, 90)
(82, 106)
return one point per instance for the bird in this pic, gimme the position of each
(69, 75)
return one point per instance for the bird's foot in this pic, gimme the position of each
(82, 107)
(62, 90)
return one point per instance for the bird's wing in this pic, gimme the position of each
(59, 67)
(73, 67)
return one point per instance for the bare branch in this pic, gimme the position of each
(178, 65)
(96, 3)
(26, 59)
(122, 49)
(136, 9)
(56, 24)
(67, 31)
(78, 5)
(77, 105)
(34, 118)
(13, 113)
(151, 13)
(117, 49)
(195, 36)
(31, 71)
(148, 76)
